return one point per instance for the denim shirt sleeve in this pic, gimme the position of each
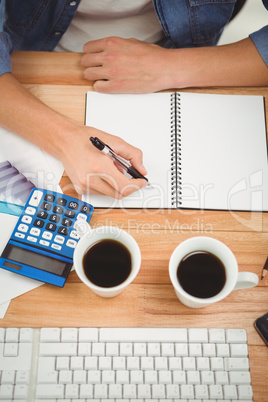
(6, 49)
(260, 39)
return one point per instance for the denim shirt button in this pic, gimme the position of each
(57, 33)
(73, 3)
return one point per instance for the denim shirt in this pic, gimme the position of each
(40, 24)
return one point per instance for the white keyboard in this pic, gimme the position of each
(124, 364)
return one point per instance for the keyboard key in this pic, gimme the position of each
(58, 349)
(8, 377)
(201, 392)
(11, 349)
(187, 391)
(6, 391)
(236, 336)
(198, 335)
(46, 371)
(50, 335)
(229, 392)
(239, 350)
(245, 392)
(50, 391)
(215, 391)
(115, 391)
(236, 363)
(101, 391)
(21, 391)
(20, 362)
(239, 377)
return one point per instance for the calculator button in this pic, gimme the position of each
(61, 201)
(49, 197)
(63, 230)
(20, 235)
(35, 231)
(51, 227)
(85, 209)
(82, 216)
(30, 210)
(32, 239)
(69, 213)
(54, 218)
(42, 214)
(36, 198)
(74, 235)
(58, 210)
(66, 222)
(59, 239)
(73, 205)
(56, 246)
(23, 228)
(44, 243)
(26, 219)
(46, 206)
(47, 235)
(71, 243)
(39, 223)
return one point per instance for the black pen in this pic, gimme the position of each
(108, 150)
(264, 270)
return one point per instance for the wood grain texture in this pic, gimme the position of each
(57, 79)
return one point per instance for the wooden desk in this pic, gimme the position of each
(150, 301)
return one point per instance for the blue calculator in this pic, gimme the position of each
(43, 241)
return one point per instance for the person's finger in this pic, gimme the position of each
(94, 46)
(92, 60)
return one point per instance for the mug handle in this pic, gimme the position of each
(246, 280)
(82, 228)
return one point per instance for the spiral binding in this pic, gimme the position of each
(176, 173)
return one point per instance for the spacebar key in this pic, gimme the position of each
(50, 391)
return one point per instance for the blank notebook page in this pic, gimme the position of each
(224, 152)
(142, 121)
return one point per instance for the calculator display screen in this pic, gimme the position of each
(36, 260)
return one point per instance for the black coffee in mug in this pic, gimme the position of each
(107, 263)
(201, 274)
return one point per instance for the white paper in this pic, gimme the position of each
(3, 309)
(42, 169)
(11, 284)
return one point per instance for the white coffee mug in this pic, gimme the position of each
(89, 237)
(234, 279)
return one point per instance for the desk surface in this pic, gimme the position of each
(150, 301)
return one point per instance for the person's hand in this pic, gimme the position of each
(92, 171)
(127, 65)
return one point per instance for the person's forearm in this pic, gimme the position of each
(23, 113)
(130, 66)
(89, 169)
(238, 64)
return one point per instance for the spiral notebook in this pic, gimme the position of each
(201, 151)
